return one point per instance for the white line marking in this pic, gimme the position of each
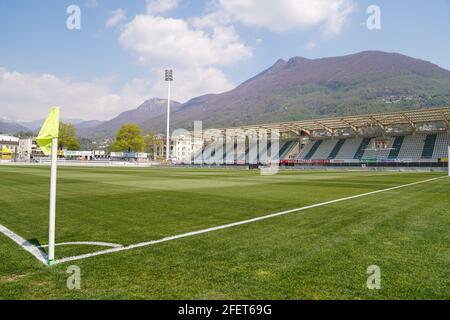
(26, 245)
(230, 225)
(86, 243)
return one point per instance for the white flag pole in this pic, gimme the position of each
(168, 124)
(169, 79)
(52, 217)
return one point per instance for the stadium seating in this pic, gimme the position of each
(415, 147)
(441, 147)
(325, 149)
(349, 149)
(336, 149)
(285, 149)
(373, 153)
(306, 150)
(313, 150)
(396, 146)
(411, 147)
(362, 148)
(428, 149)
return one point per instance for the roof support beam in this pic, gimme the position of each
(289, 129)
(324, 126)
(299, 129)
(411, 123)
(355, 129)
(446, 120)
(378, 123)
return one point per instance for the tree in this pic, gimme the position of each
(152, 142)
(128, 139)
(86, 144)
(67, 137)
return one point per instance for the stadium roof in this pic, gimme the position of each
(412, 118)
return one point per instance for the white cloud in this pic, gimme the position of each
(117, 16)
(194, 48)
(176, 42)
(284, 15)
(161, 6)
(29, 96)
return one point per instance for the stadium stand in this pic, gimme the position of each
(396, 146)
(412, 147)
(428, 149)
(336, 149)
(441, 147)
(313, 150)
(362, 148)
(325, 148)
(416, 136)
(305, 150)
(372, 152)
(349, 149)
(285, 149)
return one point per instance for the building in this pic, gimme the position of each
(19, 150)
(182, 149)
(25, 151)
(9, 147)
(9, 142)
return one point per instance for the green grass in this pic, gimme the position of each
(321, 253)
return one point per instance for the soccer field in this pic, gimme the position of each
(318, 252)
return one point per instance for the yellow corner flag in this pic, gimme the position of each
(49, 131)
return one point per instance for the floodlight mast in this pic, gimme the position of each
(169, 79)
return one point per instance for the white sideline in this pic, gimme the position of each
(230, 225)
(26, 245)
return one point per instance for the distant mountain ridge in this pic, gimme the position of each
(7, 127)
(298, 89)
(301, 88)
(150, 109)
(12, 127)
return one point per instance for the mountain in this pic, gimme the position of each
(87, 124)
(31, 125)
(7, 127)
(34, 126)
(300, 88)
(150, 109)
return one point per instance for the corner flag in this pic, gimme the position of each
(47, 140)
(49, 131)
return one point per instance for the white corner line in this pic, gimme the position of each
(234, 224)
(85, 243)
(26, 245)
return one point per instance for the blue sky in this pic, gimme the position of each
(105, 68)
